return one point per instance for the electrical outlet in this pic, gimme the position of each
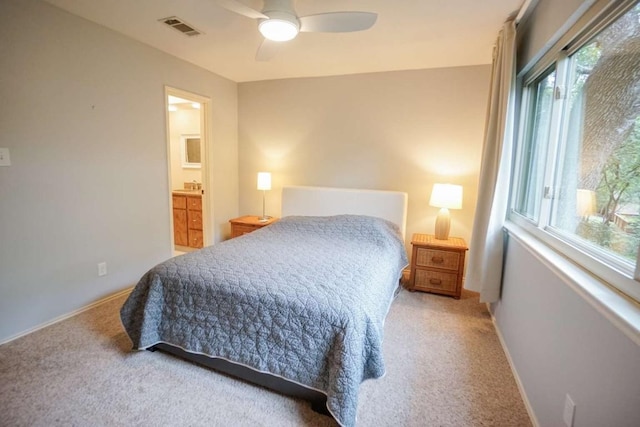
(5, 159)
(569, 411)
(102, 269)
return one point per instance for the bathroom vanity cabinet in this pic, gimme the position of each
(187, 220)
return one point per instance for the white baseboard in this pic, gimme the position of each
(71, 314)
(523, 394)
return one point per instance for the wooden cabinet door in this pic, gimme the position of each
(180, 229)
(195, 220)
(194, 203)
(195, 239)
(179, 202)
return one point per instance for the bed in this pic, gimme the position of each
(298, 306)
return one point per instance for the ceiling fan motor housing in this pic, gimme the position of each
(280, 26)
(278, 22)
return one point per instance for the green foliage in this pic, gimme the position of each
(621, 175)
(584, 61)
(608, 236)
(589, 55)
(620, 186)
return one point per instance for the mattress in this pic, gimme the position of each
(303, 299)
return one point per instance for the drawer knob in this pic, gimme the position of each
(435, 281)
(437, 260)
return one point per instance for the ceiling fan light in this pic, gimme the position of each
(278, 30)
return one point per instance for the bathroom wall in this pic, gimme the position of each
(182, 122)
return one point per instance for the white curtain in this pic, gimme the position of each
(484, 271)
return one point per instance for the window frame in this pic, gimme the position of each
(527, 105)
(613, 272)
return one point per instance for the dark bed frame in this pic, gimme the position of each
(317, 399)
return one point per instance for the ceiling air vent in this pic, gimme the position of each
(180, 25)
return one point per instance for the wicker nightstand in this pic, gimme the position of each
(247, 224)
(437, 266)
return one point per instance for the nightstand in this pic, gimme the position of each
(247, 224)
(437, 266)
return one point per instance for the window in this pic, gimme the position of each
(577, 174)
(532, 160)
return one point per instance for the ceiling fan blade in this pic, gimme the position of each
(338, 22)
(268, 49)
(240, 8)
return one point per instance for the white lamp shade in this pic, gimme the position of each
(446, 196)
(264, 180)
(585, 202)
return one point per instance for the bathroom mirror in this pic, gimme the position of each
(190, 151)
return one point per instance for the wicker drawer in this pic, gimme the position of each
(434, 280)
(437, 265)
(435, 258)
(240, 229)
(248, 223)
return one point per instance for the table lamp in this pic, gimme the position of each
(445, 197)
(585, 203)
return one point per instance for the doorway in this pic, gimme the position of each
(187, 148)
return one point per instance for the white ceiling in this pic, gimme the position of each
(409, 34)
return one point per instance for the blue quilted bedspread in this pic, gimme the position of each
(304, 299)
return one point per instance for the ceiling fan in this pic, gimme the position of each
(278, 22)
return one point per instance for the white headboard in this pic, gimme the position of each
(324, 201)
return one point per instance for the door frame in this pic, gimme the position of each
(205, 138)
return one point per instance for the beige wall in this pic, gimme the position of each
(83, 114)
(182, 122)
(401, 131)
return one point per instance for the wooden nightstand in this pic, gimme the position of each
(437, 266)
(247, 224)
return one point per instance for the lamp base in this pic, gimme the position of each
(264, 217)
(443, 224)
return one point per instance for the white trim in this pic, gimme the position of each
(525, 10)
(578, 20)
(523, 393)
(94, 304)
(618, 308)
(205, 159)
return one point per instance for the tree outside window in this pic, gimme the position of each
(598, 173)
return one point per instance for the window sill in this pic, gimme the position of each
(621, 310)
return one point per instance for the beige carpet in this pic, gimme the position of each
(445, 367)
